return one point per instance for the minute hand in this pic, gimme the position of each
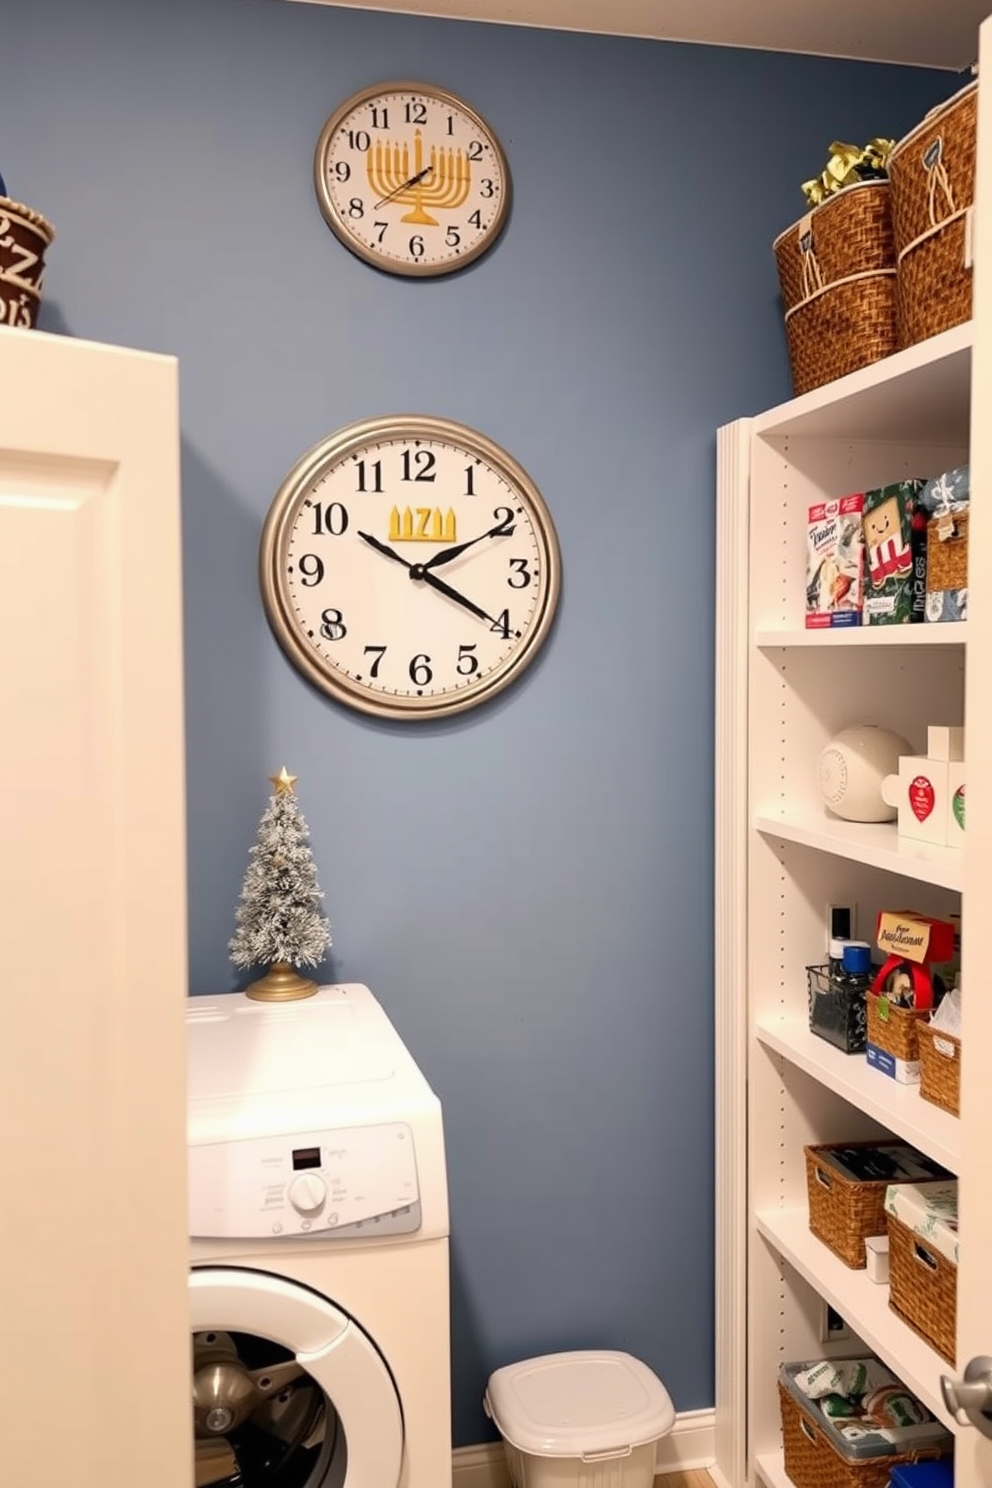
(446, 554)
(443, 588)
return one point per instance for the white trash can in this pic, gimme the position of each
(580, 1420)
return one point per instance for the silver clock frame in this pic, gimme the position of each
(332, 451)
(339, 224)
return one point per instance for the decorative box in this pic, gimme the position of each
(895, 554)
(25, 235)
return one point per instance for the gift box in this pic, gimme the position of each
(894, 527)
(946, 501)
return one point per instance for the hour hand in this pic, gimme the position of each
(383, 548)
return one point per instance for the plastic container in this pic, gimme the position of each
(583, 1419)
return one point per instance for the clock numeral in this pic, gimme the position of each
(418, 465)
(380, 228)
(476, 218)
(520, 575)
(333, 627)
(451, 124)
(376, 486)
(374, 668)
(342, 170)
(356, 207)
(311, 570)
(380, 118)
(474, 150)
(467, 654)
(452, 237)
(420, 670)
(504, 516)
(416, 246)
(416, 113)
(502, 624)
(469, 480)
(330, 520)
(486, 188)
(358, 139)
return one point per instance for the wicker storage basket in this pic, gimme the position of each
(837, 272)
(940, 1068)
(893, 1028)
(844, 1212)
(812, 1461)
(932, 172)
(24, 236)
(923, 1288)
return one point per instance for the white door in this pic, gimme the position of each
(95, 1341)
(973, 1454)
(330, 1400)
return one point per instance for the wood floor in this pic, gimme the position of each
(699, 1479)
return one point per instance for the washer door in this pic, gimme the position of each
(288, 1392)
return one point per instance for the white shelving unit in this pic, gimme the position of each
(793, 689)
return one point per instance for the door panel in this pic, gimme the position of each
(92, 884)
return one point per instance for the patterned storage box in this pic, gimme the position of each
(923, 1259)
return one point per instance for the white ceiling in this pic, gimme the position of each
(924, 33)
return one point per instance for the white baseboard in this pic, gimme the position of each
(690, 1444)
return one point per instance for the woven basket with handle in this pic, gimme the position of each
(923, 1287)
(837, 273)
(811, 1460)
(932, 172)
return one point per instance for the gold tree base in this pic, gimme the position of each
(281, 984)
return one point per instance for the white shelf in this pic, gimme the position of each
(862, 1302)
(771, 1470)
(954, 634)
(876, 844)
(917, 395)
(901, 1108)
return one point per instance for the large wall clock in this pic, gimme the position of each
(409, 567)
(411, 179)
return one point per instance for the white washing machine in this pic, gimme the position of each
(319, 1248)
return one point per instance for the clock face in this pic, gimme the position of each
(411, 179)
(409, 567)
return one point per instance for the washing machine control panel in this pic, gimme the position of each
(351, 1184)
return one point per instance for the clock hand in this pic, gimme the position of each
(382, 548)
(443, 588)
(446, 555)
(412, 182)
(418, 571)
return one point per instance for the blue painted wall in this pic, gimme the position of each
(528, 888)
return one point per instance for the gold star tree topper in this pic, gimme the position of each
(284, 782)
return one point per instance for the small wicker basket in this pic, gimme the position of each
(940, 1068)
(811, 1461)
(894, 1029)
(932, 171)
(923, 1288)
(837, 272)
(842, 1211)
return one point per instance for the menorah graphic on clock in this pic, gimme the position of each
(444, 182)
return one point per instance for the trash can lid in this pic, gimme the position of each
(564, 1405)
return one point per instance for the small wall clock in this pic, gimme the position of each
(409, 567)
(411, 179)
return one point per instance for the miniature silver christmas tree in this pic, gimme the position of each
(279, 921)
